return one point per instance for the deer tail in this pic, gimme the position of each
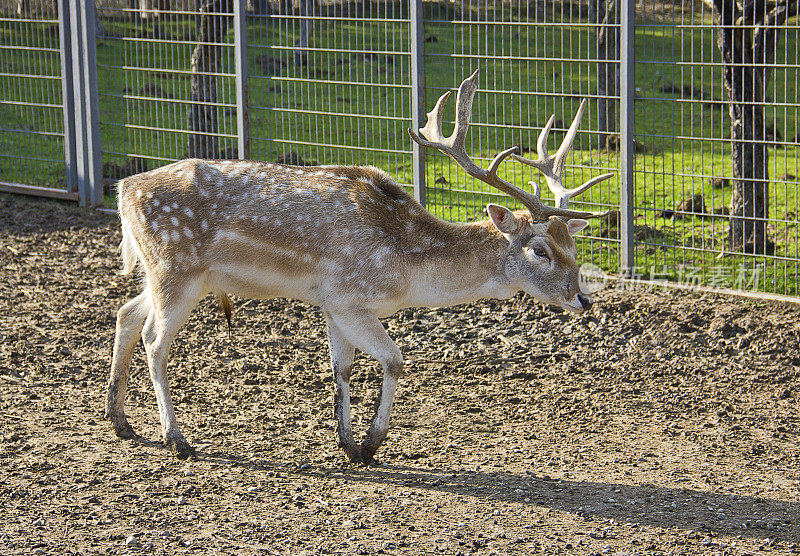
(225, 305)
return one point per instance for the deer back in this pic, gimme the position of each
(266, 230)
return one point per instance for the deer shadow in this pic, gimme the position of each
(641, 504)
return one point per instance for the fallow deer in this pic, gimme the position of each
(346, 239)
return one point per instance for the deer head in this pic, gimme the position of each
(541, 250)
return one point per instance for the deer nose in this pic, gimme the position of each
(586, 302)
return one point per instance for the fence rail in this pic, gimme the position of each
(95, 91)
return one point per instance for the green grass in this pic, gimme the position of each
(684, 137)
(34, 132)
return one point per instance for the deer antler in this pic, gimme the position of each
(553, 167)
(431, 136)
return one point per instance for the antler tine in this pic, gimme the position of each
(569, 138)
(432, 136)
(454, 146)
(553, 167)
(433, 128)
(562, 200)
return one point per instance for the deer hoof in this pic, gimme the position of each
(122, 428)
(181, 448)
(368, 454)
(352, 452)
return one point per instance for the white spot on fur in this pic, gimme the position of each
(204, 225)
(165, 236)
(167, 208)
(174, 221)
(188, 233)
(175, 235)
(156, 202)
(380, 255)
(154, 225)
(188, 212)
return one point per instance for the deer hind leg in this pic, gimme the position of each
(366, 333)
(342, 355)
(130, 320)
(166, 317)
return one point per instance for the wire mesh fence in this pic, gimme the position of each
(32, 138)
(698, 173)
(331, 85)
(166, 85)
(708, 200)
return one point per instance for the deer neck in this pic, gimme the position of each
(470, 266)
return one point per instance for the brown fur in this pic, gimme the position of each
(558, 231)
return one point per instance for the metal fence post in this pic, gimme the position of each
(240, 64)
(87, 120)
(67, 96)
(94, 160)
(79, 120)
(626, 113)
(417, 96)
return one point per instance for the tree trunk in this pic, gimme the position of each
(745, 89)
(307, 8)
(205, 61)
(748, 38)
(605, 13)
(260, 7)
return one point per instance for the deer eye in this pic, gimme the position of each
(539, 252)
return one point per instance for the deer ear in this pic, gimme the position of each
(503, 219)
(575, 225)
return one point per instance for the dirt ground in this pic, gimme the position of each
(661, 423)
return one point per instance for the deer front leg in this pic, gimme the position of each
(342, 355)
(364, 331)
(383, 408)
